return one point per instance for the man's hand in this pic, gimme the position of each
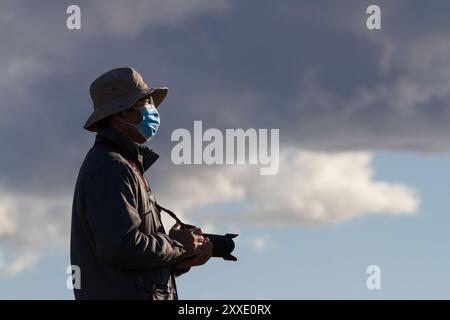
(191, 239)
(202, 257)
(198, 248)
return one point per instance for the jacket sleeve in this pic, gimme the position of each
(114, 221)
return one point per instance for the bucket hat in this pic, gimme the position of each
(117, 90)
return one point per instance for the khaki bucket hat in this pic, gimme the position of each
(117, 90)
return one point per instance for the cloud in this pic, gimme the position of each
(312, 188)
(396, 113)
(257, 244)
(31, 225)
(34, 221)
(18, 264)
(184, 192)
(325, 188)
(323, 79)
(125, 18)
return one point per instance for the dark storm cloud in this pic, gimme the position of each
(311, 69)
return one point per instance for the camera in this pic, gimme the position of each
(223, 245)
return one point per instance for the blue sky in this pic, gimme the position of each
(364, 124)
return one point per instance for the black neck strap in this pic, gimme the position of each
(173, 215)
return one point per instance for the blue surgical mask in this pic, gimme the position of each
(149, 123)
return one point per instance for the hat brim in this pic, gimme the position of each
(122, 103)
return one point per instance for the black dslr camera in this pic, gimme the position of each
(223, 245)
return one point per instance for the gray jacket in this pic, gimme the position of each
(117, 238)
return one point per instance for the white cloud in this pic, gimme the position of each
(323, 188)
(311, 188)
(257, 244)
(187, 191)
(18, 264)
(7, 223)
(30, 225)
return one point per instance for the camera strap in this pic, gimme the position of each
(170, 213)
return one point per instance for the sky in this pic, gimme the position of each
(363, 118)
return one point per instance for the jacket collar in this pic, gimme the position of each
(141, 155)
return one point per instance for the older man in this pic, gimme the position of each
(117, 237)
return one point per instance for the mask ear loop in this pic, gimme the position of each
(126, 122)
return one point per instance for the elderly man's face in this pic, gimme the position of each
(132, 116)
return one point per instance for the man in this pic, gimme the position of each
(117, 238)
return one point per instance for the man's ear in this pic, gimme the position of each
(119, 117)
